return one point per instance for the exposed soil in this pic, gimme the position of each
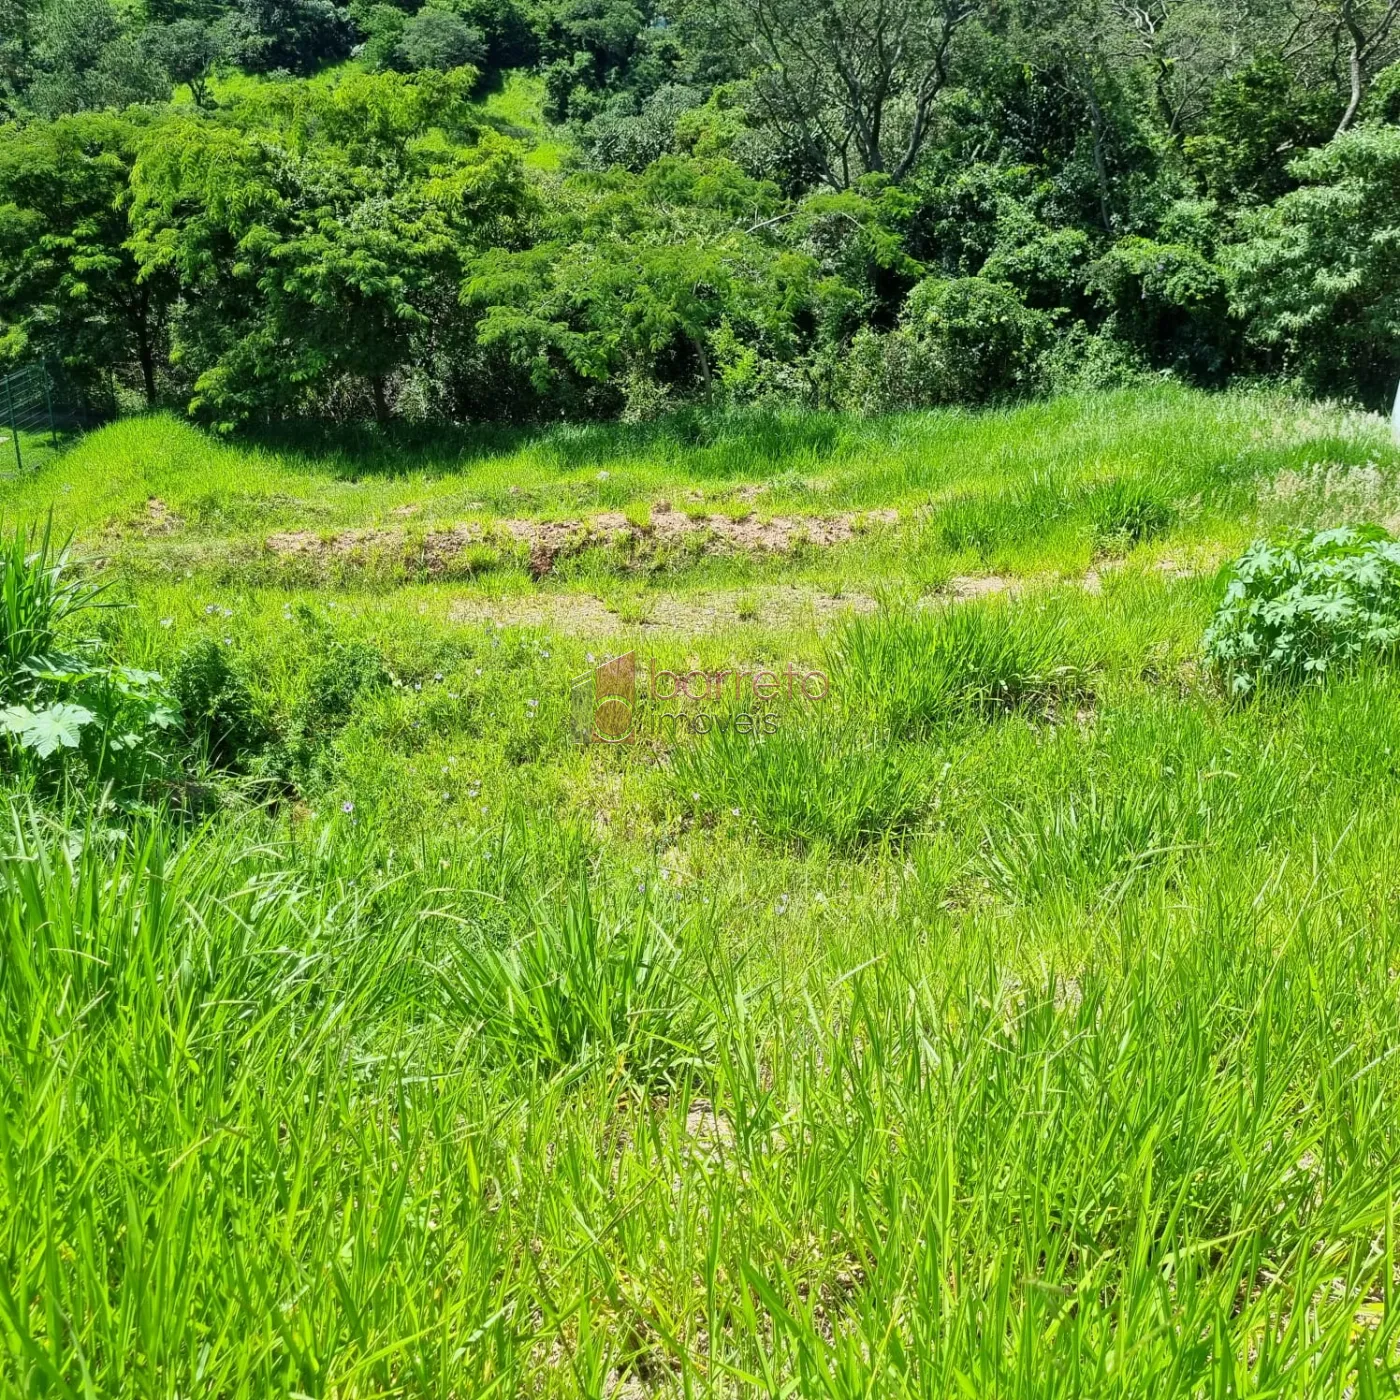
(699, 611)
(158, 519)
(584, 615)
(549, 540)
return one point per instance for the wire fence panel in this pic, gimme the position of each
(27, 419)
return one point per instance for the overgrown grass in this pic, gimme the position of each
(1021, 1019)
(913, 670)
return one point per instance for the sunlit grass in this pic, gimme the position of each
(1022, 1019)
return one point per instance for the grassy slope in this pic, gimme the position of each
(1052, 1051)
(1191, 443)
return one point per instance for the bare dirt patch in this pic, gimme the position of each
(156, 518)
(700, 611)
(691, 613)
(966, 586)
(545, 541)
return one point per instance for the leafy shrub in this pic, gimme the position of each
(333, 686)
(982, 340)
(1318, 281)
(968, 340)
(220, 716)
(845, 789)
(64, 698)
(1169, 301)
(439, 39)
(1080, 361)
(886, 372)
(912, 670)
(297, 35)
(579, 988)
(1300, 610)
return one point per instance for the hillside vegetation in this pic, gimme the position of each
(1020, 1017)
(447, 212)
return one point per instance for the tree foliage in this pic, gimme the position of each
(837, 202)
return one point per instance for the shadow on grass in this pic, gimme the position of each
(730, 443)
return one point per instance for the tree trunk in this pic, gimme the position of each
(143, 346)
(381, 399)
(1354, 72)
(698, 341)
(1100, 164)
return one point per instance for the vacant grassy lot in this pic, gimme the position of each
(1019, 1018)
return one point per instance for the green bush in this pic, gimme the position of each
(982, 340)
(65, 699)
(221, 718)
(968, 340)
(1300, 610)
(333, 686)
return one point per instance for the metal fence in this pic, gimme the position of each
(26, 413)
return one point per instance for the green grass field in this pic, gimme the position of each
(1021, 1018)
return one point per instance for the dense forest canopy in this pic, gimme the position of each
(274, 208)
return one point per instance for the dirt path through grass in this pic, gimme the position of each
(697, 611)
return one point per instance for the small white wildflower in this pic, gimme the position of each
(347, 806)
(167, 622)
(437, 675)
(228, 641)
(735, 810)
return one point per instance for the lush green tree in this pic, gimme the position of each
(71, 289)
(441, 39)
(635, 140)
(382, 26)
(295, 35)
(85, 59)
(191, 49)
(1259, 119)
(596, 52)
(1170, 302)
(1367, 31)
(14, 54)
(319, 248)
(852, 83)
(669, 279)
(1319, 276)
